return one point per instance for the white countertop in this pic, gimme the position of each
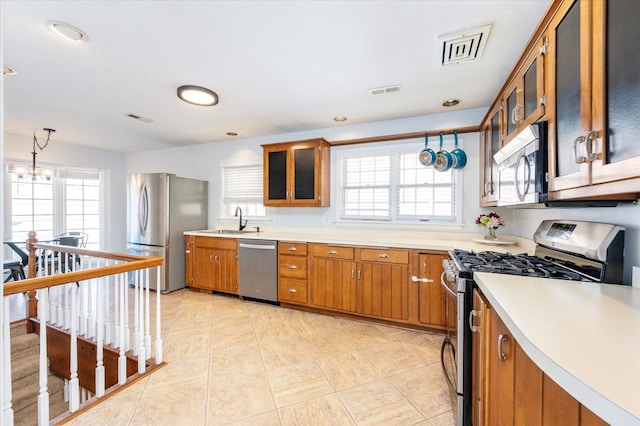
(585, 336)
(381, 238)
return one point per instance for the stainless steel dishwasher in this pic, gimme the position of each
(258, 266)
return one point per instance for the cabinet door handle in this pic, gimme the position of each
(216, 259)
(359, 274)
(422, 280)
(293, 249)
(353, 271)
(502, 338)
(293, 267)
(579, 159)
(210, 258)
(187, 251)
(333, 252)
(591, 136)
(472, 314)
(293, 290)
(383, 255)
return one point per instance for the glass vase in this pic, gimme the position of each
(490, 234)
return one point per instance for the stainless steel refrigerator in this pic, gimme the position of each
(160, 207)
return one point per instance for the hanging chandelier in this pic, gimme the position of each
(46, 173)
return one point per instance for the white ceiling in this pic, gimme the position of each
(278, 66)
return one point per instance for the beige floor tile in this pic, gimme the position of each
(284, 353)
(120, 414)
(363, 335)
(444, 419)
(425, 389)
(274, 330)
(391, 358)
(297, 383)
(235, 361)
(266, 419)
(327, 343)
(131, 393)
(348, 369)
(327, 410)
(226, 336)
(177, 376)
(379, 403)
(187, 344)
(238, 398)
(179, 408)
(424, 345)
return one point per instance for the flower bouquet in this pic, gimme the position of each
(490, 223)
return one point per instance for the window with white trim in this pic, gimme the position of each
(67, 202)
(388, 183)
(242, 187)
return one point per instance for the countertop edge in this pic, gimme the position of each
(594, 401)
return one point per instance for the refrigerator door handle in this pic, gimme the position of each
(143, 210)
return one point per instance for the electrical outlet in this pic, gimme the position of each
(635, 276)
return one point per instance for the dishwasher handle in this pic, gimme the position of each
(258, 246)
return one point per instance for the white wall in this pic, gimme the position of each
(19, 147)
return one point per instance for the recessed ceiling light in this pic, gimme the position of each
(450, 102)
(6, 70)
(339, 118)
(67, 32)
(197, 95)
(232, 134)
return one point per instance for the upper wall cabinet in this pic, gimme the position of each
(490, 143)
(524, 98)
(594, 99)
(296, 174)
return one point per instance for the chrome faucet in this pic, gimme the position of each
(241, 226)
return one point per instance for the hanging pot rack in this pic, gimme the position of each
(402, 136)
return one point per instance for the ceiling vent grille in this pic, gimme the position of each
(386, 89)
(463, 46)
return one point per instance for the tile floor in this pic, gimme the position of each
(245, 363)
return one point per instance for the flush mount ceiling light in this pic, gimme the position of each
(67, 32)
(6, 70)
(339, 118)
(197, 95)
(450, 102)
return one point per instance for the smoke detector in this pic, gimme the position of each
(462, 46)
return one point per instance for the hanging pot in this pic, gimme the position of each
(427, 156)
(444, 159)
(460, 157)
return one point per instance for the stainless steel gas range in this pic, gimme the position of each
(566, 250)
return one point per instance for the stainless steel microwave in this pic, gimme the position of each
(522, 167)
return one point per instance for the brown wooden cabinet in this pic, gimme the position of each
(431, 295)
(367, 281)
(189, 242)
(508, 388)
(215, 264)
(296, 174)
(593, 106)
(292, 272)
(490, 142)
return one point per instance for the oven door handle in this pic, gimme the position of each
(447, 342)
(445, 286)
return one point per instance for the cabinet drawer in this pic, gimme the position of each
(384, 255)
(217, 243)
(334, 252)
(285, 247)
(292, 266)
(294, 291)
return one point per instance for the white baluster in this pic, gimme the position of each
(69, 302)
(53, 297)
(43, 368)
(91, 313)
(60, 314)
(136, 312)
(122, 361)
(158, 320)
(147, 309)
(66, 390)
(125, 307)
(82, 314)
(74, 385)
(100, 380)
(116, 313)
(107, 309)
(7, 409)
(140, 313)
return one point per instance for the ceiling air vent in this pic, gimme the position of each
(463, 46)
(386, 89)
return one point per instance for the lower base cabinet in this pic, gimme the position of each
(508, 387)
(431, 296)
(214, 264)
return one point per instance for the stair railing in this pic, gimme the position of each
(85, 293)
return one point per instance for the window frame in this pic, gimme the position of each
(394, 149)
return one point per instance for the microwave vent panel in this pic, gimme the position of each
(462, 46)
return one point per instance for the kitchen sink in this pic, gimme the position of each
(227, 231)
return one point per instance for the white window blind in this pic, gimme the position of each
(242, 187)
(390, 184)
